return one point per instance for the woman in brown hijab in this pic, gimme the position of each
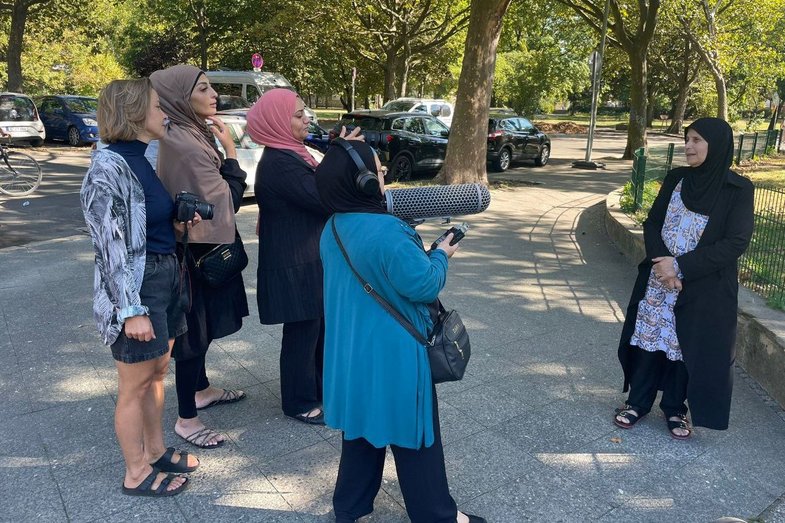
(188, 160)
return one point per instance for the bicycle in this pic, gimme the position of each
(20, 173)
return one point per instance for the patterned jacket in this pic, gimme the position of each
(114, 209)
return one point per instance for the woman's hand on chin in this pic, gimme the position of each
(221, 131)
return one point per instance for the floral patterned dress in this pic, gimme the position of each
(655, 325)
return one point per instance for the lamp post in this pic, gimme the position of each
(595, 62)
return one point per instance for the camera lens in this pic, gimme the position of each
(205, 210)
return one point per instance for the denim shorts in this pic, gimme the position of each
(160, 293)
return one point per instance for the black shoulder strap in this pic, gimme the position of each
(370, 290)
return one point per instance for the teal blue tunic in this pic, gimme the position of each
(377, 380)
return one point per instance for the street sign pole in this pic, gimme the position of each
(596, 73)
(354, 77)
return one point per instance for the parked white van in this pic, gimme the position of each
(238, 90)
(19, 119)
(441, 109)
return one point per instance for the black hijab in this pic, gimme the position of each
(701, 185)
(335, 180)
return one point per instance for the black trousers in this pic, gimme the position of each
(654, 371)
(421, 475)
(190, 376)
(302, 361)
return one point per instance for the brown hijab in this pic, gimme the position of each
(188, 159)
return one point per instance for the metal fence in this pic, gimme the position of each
(654, 163)
(748, 146)
(762, 267)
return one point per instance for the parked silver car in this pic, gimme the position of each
(19, 119)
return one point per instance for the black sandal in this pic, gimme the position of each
(681, 423)
(145, 487)
(626, 412)
(317, 419)
(165, 463)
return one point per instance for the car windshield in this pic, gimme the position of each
(228, 102)
(82, 105)
(398, 106)
(16, 109)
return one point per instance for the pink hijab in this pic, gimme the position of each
(270, 123)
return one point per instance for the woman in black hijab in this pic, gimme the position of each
(680, 330)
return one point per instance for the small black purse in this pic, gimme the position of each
(448, 348)
(222, 263)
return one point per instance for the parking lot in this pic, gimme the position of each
(53, 210)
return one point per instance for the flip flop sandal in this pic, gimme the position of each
(145, 487)
(228, 396)
(682, 423)
(165, 463)
(310, 420)
(626, 412)
(201, 437)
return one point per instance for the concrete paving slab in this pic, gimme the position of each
(24, 475)
(528, 433)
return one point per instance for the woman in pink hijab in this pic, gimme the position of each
(289, 277)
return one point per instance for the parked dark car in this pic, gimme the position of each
(514, 138)
(407, 143)
(69, 118)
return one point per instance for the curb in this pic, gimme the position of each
(760, 337)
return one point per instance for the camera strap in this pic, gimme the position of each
(184, 269)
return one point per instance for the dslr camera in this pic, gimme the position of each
(188, 204)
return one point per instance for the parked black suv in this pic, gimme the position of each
(512, 138)
(406, 142)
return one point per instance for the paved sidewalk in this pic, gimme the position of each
(528, 432)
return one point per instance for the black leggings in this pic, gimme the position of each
(190, 377)
(421, 476)
(654, 371)
(302, 360)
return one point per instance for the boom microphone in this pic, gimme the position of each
(437, 201)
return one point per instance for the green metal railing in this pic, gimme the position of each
(753, 145)
(654, 163)
(762, 267)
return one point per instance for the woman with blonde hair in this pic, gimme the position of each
(137, 290)
(189, 160)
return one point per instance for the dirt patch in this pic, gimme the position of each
(562, 127)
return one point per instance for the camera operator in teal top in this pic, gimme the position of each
(377, 379)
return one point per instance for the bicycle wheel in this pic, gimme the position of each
(20, 174)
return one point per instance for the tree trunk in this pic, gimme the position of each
(389, 76)
(722, 94)
(15, 44)
(775, 115)
(679, 108)
(636, 133)
(650, 107)
(203, 48)
(466, 151)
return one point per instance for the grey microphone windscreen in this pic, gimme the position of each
(436, 201)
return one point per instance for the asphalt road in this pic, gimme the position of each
(53, 211)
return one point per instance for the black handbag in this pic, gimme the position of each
(222, 263)
(448, 345)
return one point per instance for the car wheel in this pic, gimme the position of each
(542, 159)
(74, 139)
(38, 142)
(502, 162)
(402, 167)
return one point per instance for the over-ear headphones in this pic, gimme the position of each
(364, 179)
